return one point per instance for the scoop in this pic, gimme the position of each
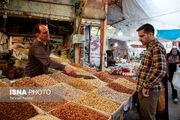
(85, 76)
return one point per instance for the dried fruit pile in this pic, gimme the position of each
(81, 84)
(60, 77)
(76, 65)
(59, 60)
(95, 82)
(112, 94)
(126, 83)
(98, 102)
(16, 111)
(43, 117)
(44, 80)
(24, 82)
(2, 84)
(48, 106)
(130, 79)
(81, 71)
(69, 93)
(73, 111)
(89, 70)
(105, 77)
(120, 88)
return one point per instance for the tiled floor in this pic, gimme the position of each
(174, 109)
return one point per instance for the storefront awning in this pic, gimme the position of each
(169, 34)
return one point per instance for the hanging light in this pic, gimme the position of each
(120, 33)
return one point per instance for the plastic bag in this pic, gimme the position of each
(178, 68)
(176, 79)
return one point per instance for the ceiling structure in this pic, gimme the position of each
(125, 16)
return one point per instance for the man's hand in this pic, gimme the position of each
(117, 61)
(70, 71)
(145, 92)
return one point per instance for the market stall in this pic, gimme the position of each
(105, 97)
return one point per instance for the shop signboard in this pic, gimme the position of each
(95, 50)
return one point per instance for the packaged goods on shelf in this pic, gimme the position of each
(19, 55)
(98, 102)
(43, 117)
(112, 94)
(16, 111)
(17, 39)
(126, 83)
(44, 80)
(25, 51)
(81, 84)
(24, 82)
(73, 111)
(60, 77)
(120, 88)
(104, 76)
(70, 93)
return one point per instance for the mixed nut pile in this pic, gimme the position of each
(82, 99)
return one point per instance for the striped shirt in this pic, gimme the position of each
(153, 66)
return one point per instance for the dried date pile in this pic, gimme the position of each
(16, 111)
(105, 77)
(98, 102)
(120, 88)
(130, 79)
(73, 111)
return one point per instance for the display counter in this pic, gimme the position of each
(105, 97)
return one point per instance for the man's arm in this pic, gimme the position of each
(43, 57)
(159, 71)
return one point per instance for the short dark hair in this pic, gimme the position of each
(147, 28)
(112, 44)
(176, 50)
(36, 28)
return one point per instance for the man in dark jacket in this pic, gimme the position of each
(110, 57)
(39, 52)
